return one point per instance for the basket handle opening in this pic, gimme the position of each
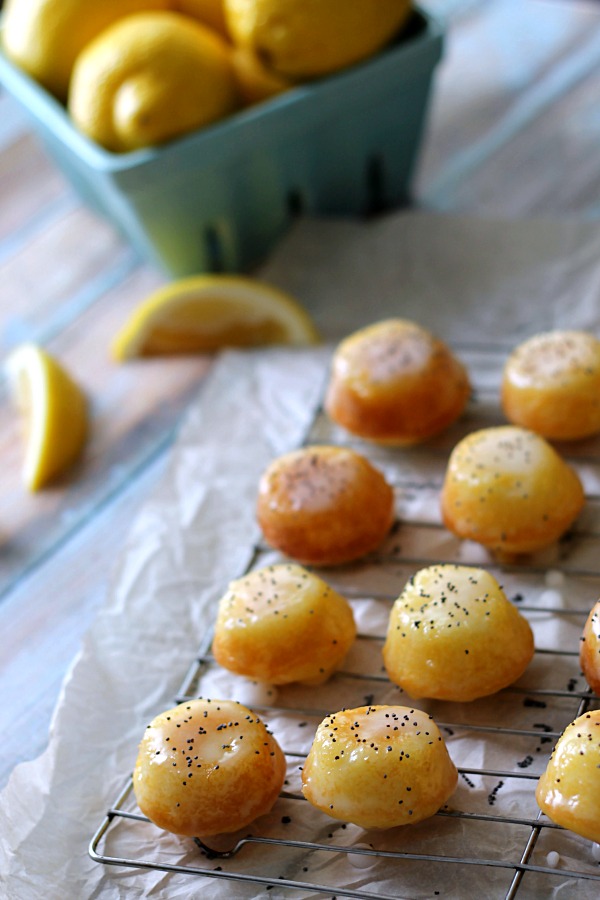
(295, 203)
(375, 185)
(215, 251)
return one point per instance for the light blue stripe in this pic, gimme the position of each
(18, 329)
(13, 123)
(540, 97)
(89, 513)
(21, 237)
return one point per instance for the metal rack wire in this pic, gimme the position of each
(531, 854)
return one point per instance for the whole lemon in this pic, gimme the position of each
(149, 78)
(43, 37)
(304, 39)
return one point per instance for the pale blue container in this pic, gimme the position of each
(219, 199)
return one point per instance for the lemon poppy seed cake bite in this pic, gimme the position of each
(378, 767)
(551, 384)
(508, 489)
(207, 767)
(569, 789)
(395, 383)
(324, 505)
(281, 624)
(589, 651)
(454, 635)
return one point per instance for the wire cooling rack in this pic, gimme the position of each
(491, 839)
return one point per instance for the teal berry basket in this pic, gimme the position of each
(219, 199)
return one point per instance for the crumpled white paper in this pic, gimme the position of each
(482, 286)
(470, 280)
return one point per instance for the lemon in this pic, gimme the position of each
(43, 37)
(205, 313)
(307, 38)
(255, 81)
(149, 78)
(55, 413)
(208, 11)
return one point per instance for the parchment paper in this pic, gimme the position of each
(482, 286)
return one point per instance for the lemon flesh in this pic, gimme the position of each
(149, 78)
(54, 409)
(303, 39)
(206, 313)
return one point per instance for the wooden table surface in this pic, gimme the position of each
(513, 131)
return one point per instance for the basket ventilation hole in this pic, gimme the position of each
(375, 184)
(214, 249)
(295, 203)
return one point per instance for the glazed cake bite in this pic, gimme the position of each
(396, 383)
(508, 489)
(378, 767)
(207, 767)
(551, 384)
(324, 505)
(569, 790)
(454, 635)
(589, 651)
(281, 624)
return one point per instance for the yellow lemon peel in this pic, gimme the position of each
(255, 81)
(44, 37)
(208, 11)
(149, 78)
(303, 39)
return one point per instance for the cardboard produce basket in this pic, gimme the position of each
(218, 199)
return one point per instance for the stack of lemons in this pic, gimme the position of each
(137, 73)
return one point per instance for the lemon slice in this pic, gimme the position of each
(205, 313)
(54, 410)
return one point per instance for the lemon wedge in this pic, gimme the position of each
(204, 313)
(54, 411)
